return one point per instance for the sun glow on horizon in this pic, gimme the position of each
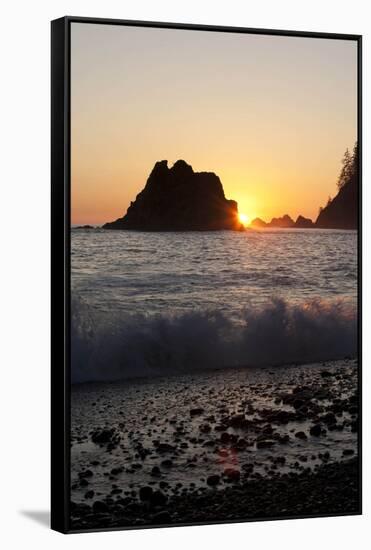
(245, 220)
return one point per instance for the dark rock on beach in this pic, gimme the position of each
(100, 506)
(161, 518)
(196, 411)
(315, 430)
(331, 489)
(213, 480)
(85, 473)
(145, 493)
(179, 199)
(232, 474)
(155, 471)
(102, 437)
(165, 448)
(265, 443)
(158, 498)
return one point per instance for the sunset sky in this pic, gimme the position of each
(270, 115)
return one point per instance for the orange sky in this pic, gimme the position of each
(270, 115)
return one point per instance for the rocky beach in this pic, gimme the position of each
(235, 444)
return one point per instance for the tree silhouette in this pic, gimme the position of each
(355, 160)
(350, 167)
(341, 212)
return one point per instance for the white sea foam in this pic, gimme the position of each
(109, 347)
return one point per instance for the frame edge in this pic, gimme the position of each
(60, 287)
(59, 518)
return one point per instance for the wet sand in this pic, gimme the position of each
(225, 445)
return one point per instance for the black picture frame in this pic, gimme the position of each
(60, 253)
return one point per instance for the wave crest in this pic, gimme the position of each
(277, 333)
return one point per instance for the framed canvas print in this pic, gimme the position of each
(206, 264)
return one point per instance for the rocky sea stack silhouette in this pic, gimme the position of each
(285, 222)
(342, 211)
(304, 223)
(179, 199)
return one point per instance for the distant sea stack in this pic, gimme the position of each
(285, 222)
(179, 199)
(304, 223)
(258, 223)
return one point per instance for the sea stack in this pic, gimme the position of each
(179, 199)
(285, 222)
(259, 223)
(304, 223)
(342, 211)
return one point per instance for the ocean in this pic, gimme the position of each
(149, 304)
(215, 376)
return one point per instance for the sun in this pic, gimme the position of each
(243, 219)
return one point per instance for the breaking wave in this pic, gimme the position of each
(109, 348)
